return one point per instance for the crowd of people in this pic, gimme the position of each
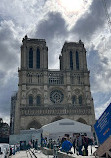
(79, 142)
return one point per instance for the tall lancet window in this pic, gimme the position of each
(77, 60)
(38, 59)
(80, 100)
(30, 100)
(38, 100)
(74, 100)
(30, 58)
(71, 61)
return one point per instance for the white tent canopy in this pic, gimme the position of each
(65, 126)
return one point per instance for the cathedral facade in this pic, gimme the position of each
(47, 95)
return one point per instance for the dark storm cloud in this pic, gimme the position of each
(99, 79)
(92, 20)
(9, 61)
(1, 18)
(54, 25)
(5, 97)
(54, 30)
(9, 47)
(93, 60)
(2, 74)
(100, 72)
(95, 66)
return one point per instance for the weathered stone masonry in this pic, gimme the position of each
(45, 95)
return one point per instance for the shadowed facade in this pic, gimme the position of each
(47, 95)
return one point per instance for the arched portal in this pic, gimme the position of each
(81, 120)
(34, 124)
(57, 118)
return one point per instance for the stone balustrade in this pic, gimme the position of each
(29, 111)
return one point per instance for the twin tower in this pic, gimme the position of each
(47, 95)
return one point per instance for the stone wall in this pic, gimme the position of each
(59, 90)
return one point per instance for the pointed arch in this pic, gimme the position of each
(81, 120)
(30, 100)
(30, 58)
(57, 118)
(38, 100)
(71, 60)
(34, 124)
(77, 60)
(33, 90)
(74, 100)
(80, 100)
(38, 58)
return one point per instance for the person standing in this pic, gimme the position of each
(10, 151)
(66, 145)
(85, 143)
(74, 142)
(33, 143)
(79, 144)
(36, 144)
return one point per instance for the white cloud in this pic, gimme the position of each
(51, 20)
(99, 110)
(9, 47)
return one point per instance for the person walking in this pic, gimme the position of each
(74, 142)
(79, 144)
(85, 144)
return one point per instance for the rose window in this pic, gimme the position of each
(56, 96)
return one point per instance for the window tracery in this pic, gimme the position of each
(71, 60)
(38, 58)
(56, 96)
(80, 100)
(74, 100)
(77, 60)
(30, 100)
(38, 100)
(31, 58)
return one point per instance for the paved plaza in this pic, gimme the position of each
(39, 154)
(23, 154)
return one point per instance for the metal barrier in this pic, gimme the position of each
(31, 152)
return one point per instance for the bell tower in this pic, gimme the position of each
(73, 57)
(46, 95)
(34, 54)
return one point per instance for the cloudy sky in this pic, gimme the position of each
(56, 21)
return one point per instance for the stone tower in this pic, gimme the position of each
(45, 96)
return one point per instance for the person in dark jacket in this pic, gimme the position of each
(36, 144)
(74, 142)
(10, 151)
(85, 144)
(79, 144)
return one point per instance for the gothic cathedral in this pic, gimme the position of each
(47, 95)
